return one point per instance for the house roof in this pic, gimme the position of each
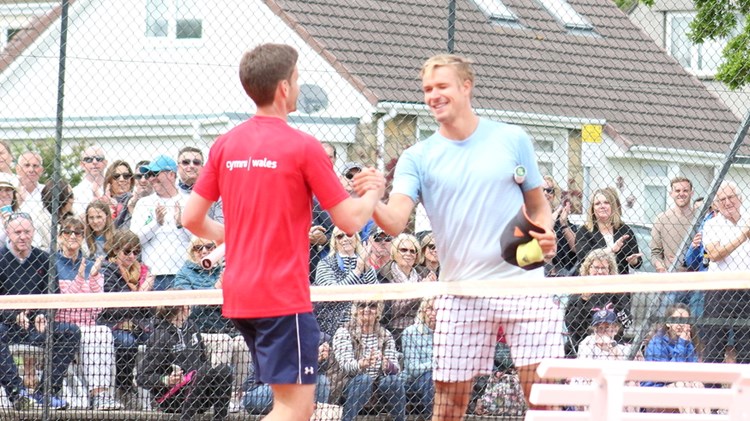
(28, 34)
(618, 74)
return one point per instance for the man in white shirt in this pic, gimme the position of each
(156, 220)
(725, 237)
(91, 187)
(29, 169)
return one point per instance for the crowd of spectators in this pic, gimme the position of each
(119, 230)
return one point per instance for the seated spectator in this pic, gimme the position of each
(142, 188)
(177, 372)
(23, 270)
(564, 262)
(258, 397)
(99, 227)
(123, 272)
(429, 263)
(345, 265)
(399, 314)
(366, 363)
(578, 310)
(676, 342)
(78, 275)
(601, 343)
(378, 248)
(118, 186)
(224, 344)
(417, 374)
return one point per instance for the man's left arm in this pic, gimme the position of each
(539, 211)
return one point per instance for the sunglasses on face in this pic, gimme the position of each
(350, 175)
(342, 235)
(196, 162)
(90, 159)
(122, 176)
(139, 176)
(71, 232)
(383, 239)
(430, 247)
(201, 247)
(151, 174)
(549, 190)
(134, 252)
(404, 250)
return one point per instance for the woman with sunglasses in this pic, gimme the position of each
(405, 253)
(141, 188)
(346, 264)
(118, 185)
(123, 272)
(99, 227)
(224, 344)
(429, 264)
(365, 362)
(76, 274)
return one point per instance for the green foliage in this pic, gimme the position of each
(715, 19)
(625, 5)
(70, 168)
(735, 72)
(719, 19)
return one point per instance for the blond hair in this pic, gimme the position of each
(462, 65)
(599, 254)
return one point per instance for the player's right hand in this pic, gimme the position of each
(369, 179)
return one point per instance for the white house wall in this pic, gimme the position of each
(114, 70)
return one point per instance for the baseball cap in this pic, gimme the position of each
(605, 315)
(160, 163)
(8, 180)
(351, 166)
(517, 245)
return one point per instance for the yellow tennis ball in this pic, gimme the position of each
(529, 253)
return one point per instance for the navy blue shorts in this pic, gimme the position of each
(284, 349)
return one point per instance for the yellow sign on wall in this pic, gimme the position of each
(591, 133)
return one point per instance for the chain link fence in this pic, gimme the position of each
(108, 111)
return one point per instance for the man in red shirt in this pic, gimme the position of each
(266, 174)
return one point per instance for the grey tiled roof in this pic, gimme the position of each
(618, 74)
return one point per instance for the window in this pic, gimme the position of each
(496, 11)
(566, 15)
(701, 59)
(178, 19)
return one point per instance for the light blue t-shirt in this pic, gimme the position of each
(470, 195)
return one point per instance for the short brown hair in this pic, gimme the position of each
(461, 64)
(681, 179)
(262, 68)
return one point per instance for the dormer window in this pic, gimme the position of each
(566, 15)
(496, 11)
(174, 19)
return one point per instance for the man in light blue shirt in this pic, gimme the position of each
(464, 177)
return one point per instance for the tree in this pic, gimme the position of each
(717, 19)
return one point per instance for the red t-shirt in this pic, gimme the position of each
(266, 173)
